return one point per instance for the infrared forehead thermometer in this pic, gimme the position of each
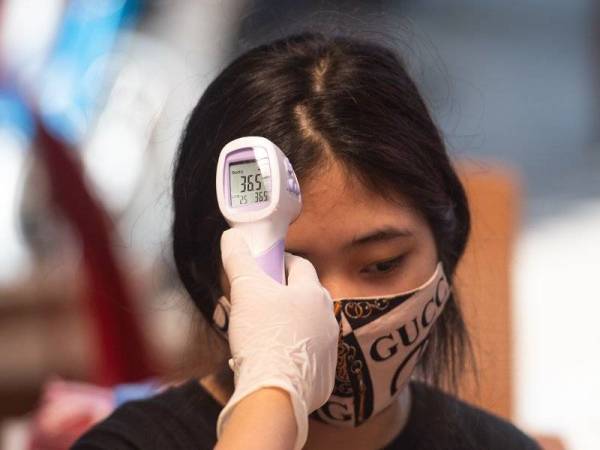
(258, 193)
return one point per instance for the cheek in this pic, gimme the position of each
(337, 286)
(430, 250)
(426, 259)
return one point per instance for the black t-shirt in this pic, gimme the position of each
(185, 417)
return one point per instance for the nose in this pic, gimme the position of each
(335, 285)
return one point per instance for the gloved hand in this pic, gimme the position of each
(280, 336)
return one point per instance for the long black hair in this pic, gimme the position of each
(318, 96)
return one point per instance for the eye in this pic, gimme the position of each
(384, 267)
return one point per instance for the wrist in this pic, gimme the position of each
(247, 388)
(267, 415)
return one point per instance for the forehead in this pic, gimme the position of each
(336, 207)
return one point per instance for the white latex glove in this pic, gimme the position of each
(280, 336)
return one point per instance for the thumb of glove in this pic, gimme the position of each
(237, 260)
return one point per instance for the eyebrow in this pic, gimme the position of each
(380, 235)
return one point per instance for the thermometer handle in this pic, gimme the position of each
(271, 261)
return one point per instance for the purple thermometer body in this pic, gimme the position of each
(259, 194)
(272, 262)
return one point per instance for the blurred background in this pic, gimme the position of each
(93, 98)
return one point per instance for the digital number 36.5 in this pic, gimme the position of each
(260, 196)
(251, 182)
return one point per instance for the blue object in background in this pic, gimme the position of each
(77, 66)
(135, 391)
(14, 114)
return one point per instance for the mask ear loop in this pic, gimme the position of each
(221, 315)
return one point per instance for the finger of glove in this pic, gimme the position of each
(300, 270)
(237, 259)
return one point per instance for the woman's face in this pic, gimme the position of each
(361, 244)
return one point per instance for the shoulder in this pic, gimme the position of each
(181, 417)
(440, 420)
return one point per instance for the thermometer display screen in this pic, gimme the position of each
(246, 185)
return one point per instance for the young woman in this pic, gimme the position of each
(332, 359)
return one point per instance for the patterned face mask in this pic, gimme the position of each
(381, 341)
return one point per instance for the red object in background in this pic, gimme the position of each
(66, 411)
(122, 354)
